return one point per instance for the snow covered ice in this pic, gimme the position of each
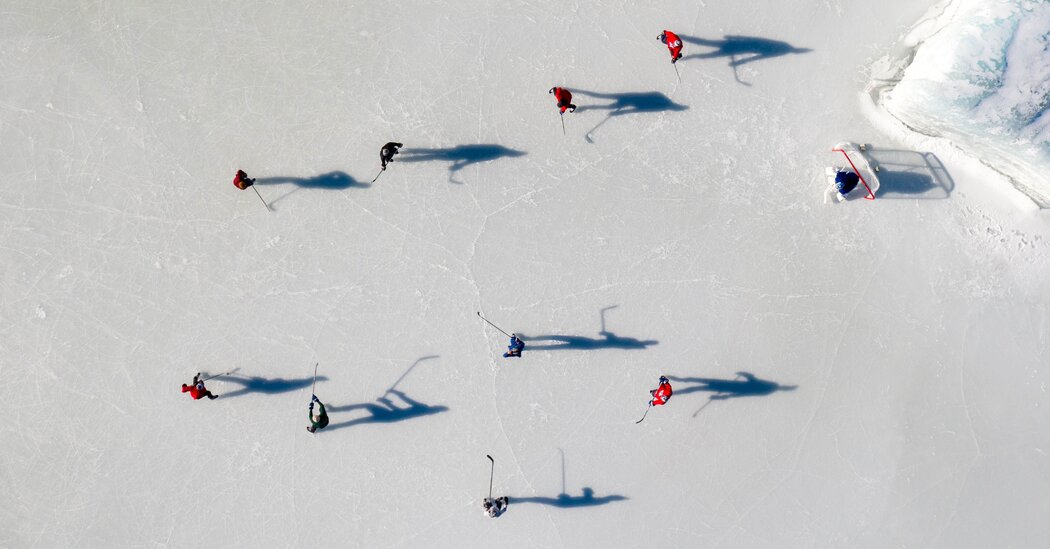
(978, 73)
(863, 374)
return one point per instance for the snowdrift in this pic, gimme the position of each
(978, 74)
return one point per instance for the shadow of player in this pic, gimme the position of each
(730, 388)
(266, 386)
(332, 180)
(742, 49)
(608, 340)
(565, 501)
(620, 104)
(460, 156)
(386, 411)
(725, 389)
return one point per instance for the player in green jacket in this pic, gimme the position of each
(318, 420)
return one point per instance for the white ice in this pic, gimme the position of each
(898, 346)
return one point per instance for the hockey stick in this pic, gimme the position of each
(217, 375)
(562, 123)
(314, 385)
(493, 325)
(562, 469)
(676, 72)
(261, 198)
(492, 470)
(377, 175)
(645, 414)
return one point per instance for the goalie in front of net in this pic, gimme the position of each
(842, 181)
(845, 182)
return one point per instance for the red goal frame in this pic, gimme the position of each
(871, 195)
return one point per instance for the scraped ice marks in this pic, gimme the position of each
(982, 227)
(65, 272)
(537, 414)
(176, 264)
(256, 458)
(668, 249)
(40, 312)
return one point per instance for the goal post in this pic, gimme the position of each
(870, 180)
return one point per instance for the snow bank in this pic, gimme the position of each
(978, 74)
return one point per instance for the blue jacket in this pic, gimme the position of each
(846, 181)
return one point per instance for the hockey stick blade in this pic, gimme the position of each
(645, 414)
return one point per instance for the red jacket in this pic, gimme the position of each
(195, 391)
(662, 394)
(564, 98)
(242, 182)
(673, 43)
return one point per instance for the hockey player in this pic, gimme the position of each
(197, 389)
(515, 348)
(319, 420)
(662, 393)
(495, 507)
(845, 181)
(386, 154)
(242, 181)
(674, 44)
(564, 98)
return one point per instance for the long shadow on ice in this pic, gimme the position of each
(910, 174)
(745, 384)
(266, 386)
(624, 103)
(741, 50)
(730, 388)
(334, 181)
(620, 104)
(564, 342)
(460, 156)
(384, 410)
(608, 340)
(564, 500)
(587, 499)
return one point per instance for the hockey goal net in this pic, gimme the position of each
(858, 161)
